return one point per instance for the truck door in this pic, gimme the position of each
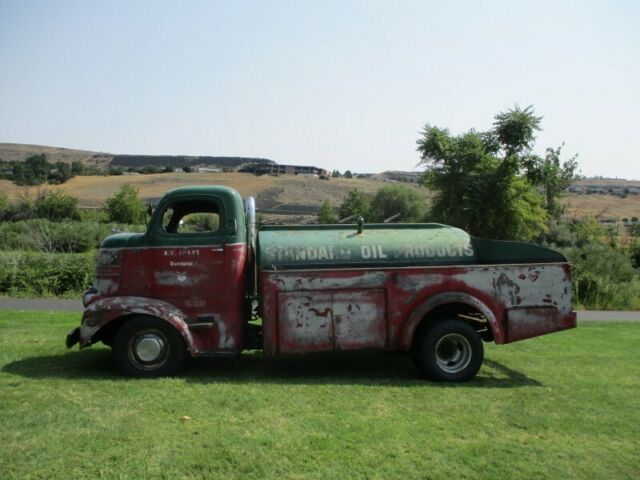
(189, 268)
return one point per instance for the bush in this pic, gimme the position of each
(604, 277)
(46, 273)
(394, 199)
(41, 235)
(4, 205)
(56, 206)
(327, 214)
(356, 203)
(125, 206)
(201, 222)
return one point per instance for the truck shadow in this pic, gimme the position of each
(354, 368)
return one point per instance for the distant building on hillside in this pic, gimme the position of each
(275, 169)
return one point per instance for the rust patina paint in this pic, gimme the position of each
(323, 287)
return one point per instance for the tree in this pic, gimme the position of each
(348, 174)
(60, 173)
(356, 203)
(336, 174)
(327, 214)
(56, 206)
(77, 168)
(487, 182)
(552, 176)
(393, 199)
(33, 171)
(125, 206)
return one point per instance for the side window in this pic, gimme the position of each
(191, 216)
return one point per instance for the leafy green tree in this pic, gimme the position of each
(77, 168)
(60, 173)
(125, 206)
(56, 206)
(348, 174)
(356, 203)
(553, 176)
(33, 171)
(487, 182)
(336, 174)
(327, 214)
(393, 199)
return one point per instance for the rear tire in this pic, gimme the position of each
(148, 347)
(448, 350)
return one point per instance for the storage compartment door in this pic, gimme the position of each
(359, 319)
(305, 322)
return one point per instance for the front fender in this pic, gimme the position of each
(449, 298)
(105, 310)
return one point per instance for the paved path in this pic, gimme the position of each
(44, 304)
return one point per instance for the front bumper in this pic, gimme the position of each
(73, 337)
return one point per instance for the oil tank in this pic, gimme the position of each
(387, 245)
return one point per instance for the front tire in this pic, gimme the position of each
(448, 350)
(148, 347)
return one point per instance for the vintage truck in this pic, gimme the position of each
(201, 276)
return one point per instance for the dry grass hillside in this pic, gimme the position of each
(271, 192)
(20, 152)
(285, 192)
(602, 207)
(288, 192)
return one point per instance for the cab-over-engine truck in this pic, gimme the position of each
(192, 281)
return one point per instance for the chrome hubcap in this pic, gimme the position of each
(149, 348)
(453, 353)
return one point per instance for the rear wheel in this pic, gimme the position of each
(448, 350)
(148, 347)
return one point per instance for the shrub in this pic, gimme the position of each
(41, 235)
(327, 214)
(356, 203)
(46, 273)
(125, 206)
(393, 199)
(201, 222)
(56, 206)
(4, 205)
(604, 277)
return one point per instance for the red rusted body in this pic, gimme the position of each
(381, 308)
(320, 288)
(201, 286)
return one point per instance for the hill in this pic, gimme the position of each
(285, 193)
(20, 152)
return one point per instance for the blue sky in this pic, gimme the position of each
(337, 84)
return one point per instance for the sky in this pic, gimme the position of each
(336, 84)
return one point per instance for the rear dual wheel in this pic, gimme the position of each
(448, 350)
(148, 347)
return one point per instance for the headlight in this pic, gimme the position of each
(89, 296)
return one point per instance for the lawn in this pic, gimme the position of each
(561, 406)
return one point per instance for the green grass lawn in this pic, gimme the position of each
(561, 406)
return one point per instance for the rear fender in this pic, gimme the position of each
(106, 310)
(445, 299)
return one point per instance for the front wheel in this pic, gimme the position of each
(148, 347)
(448, 350)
